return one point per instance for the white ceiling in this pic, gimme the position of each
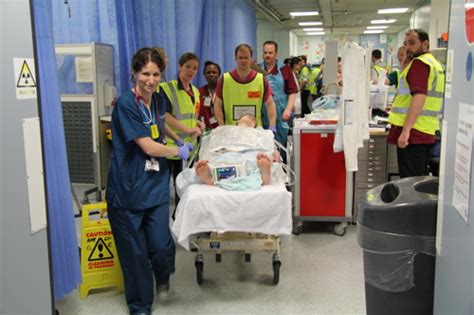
(349, 17)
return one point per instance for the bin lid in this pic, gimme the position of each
(406, 206)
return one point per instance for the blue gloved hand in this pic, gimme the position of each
(189, 145)
(183, 152)
(179, 142)
(273, 129)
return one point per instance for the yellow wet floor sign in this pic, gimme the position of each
(99, 261)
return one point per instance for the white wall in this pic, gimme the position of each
(438, 21)
(293, 44)
(421, 17)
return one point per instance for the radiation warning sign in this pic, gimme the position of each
(25, 78)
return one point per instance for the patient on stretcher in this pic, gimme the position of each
(235, 158)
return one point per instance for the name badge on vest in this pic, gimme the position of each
(155, 133)
(152, 165)
(240, 110)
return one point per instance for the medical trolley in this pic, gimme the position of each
(323, 188)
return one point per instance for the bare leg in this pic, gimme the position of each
(204, 172)
(264, 164)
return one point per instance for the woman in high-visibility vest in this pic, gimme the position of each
(182, 114)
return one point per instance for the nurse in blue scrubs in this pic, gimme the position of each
(137, 186)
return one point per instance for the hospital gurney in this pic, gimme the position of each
(209, 218)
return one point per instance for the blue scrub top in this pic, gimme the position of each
(129, 186)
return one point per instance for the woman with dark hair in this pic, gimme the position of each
(182, 112)
(212, 72)
(137, 185)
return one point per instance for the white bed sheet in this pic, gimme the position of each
(205, 208)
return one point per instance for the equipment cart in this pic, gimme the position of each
(323, 188)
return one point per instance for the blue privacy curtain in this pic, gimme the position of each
(62, 230)
(209, 28)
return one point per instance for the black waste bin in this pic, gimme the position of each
(396, 228)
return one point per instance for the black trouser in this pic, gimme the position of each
(175, 166)
(413, 160)
(305, 107)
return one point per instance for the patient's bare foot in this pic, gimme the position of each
(264, 164)
(204, 172)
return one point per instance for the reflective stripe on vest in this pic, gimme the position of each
(427, 121)
(182, 109)
(239, 98)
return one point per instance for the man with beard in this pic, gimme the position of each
(212, 72)
(415, 111)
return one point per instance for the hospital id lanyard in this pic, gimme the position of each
(154, 128)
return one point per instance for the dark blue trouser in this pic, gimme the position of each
(142, 238)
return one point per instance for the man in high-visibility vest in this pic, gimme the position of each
(377, 65)
(417, 107)
(243, 91)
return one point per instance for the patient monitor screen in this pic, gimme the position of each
(225, 172)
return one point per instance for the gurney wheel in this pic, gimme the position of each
(276, 271)
(199, 271)
(297, 228)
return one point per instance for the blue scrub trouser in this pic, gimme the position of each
(281, 126)
(142, 238)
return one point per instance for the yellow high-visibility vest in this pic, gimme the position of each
(183, 109)
(242, 98)
(428, 120)
(313, 89)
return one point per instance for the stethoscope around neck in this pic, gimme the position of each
(148, 112)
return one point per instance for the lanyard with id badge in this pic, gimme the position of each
(209, 102)
(151, 163)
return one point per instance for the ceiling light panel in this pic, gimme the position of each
(313, 29)
(393, 11)
(304, 13)
(373, 31)
(383, 21)
(310, 23)
(377, 27)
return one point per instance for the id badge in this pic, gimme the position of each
(207, 101)
(154, 131)
(213, 120)
(152, 165)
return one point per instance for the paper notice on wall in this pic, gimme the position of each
(463, 158)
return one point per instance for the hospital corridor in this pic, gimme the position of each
(237, 157)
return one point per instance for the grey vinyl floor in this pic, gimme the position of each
(321, 273)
